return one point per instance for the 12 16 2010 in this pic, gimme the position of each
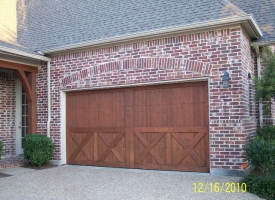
(228, 187)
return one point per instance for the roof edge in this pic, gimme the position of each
(162, 32)
(24, 54)
(255, 25)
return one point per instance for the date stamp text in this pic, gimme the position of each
(227, 187)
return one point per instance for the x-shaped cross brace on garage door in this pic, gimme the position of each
(150, 148)
(81, 145)
(188, 149)
(111, 147)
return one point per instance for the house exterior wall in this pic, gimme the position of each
(7, 117)
(251, 115)
(42, 100)
(199, 55)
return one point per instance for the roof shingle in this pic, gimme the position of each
(46, 25)
(264, 13)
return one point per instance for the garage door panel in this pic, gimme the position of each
(93, 101)
(83, 118)
(155, 115)
(78, 105)
(188, 162)
(93, 118)
(150, 148)
(105, 100)
(186, 145)
(119, 99)
(187, 115)
(187, 129)
(118, 117)
(202, 149)
(178, 113)
(153, 147)
(105, 117)
(151, 127)
(157, 156)
(141, 115)
(96, 145)
(111, 147)
(197, 114)
(176, 96)
(79, 143)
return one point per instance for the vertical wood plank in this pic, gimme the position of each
(129, 113)
(168, 149)
(95, 146)
(32, 104)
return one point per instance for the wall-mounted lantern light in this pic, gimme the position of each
(249, 76)
(225, 80)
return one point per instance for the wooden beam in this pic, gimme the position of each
(25, 83)
(32, 104)
(17, 66)
(29, 84)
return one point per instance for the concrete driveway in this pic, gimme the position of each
(81, 182)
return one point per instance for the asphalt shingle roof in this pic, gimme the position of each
(44, 24)
(16, 47)
(264, 13)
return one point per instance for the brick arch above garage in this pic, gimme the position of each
(136, 70)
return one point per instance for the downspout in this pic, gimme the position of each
(259, 76)
(49, 97)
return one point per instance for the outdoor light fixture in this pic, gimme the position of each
(225, 80)
(249, 75)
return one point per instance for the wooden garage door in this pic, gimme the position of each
(154, 127)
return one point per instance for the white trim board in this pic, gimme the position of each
(206, 78)
(18, 116)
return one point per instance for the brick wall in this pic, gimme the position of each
(7, 116)
(250, 118)
(42, 100)
(257, 115)
(206, 54)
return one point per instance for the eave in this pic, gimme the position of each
(247, 22)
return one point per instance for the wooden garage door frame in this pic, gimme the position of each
(63, 108)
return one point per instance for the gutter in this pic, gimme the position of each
(49, 98)
(161, 32)
(24, 54)
(255, 26)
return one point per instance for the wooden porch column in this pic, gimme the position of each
(32, 104)
(29, 85)
(27, 76)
